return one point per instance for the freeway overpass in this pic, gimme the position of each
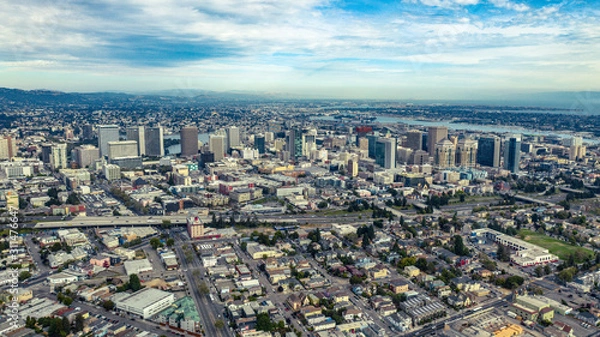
(115, 221)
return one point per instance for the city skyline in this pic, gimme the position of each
(420, 49)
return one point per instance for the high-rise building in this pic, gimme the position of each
(154, 141)
(216, 145)
(138, 133)
(69, 133)
(488, 151)
(309, 142)
(372, 139)
(189, 141)
(111, 172)
(512, 153)
(107, 133)
(195, 227)
(85, 155)
(58, 156)
(295, 143)
(466, 152)
(8, 147)
(363, 143)
(259, 143)
(46, 153)
(125, 148)
(385, 153)
(445, 153)
(434, 135)
(233, 137)
(577, 150)
(87, 131)
(420, 157)
(353, 167)
(414, 140)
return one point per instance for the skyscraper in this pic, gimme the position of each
(488, 151)
(295, 143)
(233, 137)
(512, 154)
(259, 143)
(58, 156)
(434, 135)
(125, 148)
(138, 134)
(466, 152)
(372, 139)
(445, 153)
(189, 141)
(414, 140)
(85, 155)
(154, 141)
(8, 147)
(385, 153)
(107, 133)
(576, 148)
(216, 144)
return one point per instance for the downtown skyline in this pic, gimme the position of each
(409, 49)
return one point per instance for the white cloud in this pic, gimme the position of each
(507, 4)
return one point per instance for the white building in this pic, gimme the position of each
(137, 266)
(145, 303)
(58, 156)
(111, 171)
(125, 148)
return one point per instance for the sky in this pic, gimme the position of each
(402, 49)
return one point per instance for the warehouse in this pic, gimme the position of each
(145, 303)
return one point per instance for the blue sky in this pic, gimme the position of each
(403, 49)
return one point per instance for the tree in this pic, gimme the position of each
(503, 254)
(547, 269)
(24, 275)
(56, 247)
(219, 324)
(355, 280)
(134, 282)
(203, 288)
(79, 323)
(155, 243)
(170, 242)
(108, 305)
(263, 322)
(539, 271)
(459, 246)
(67, 301)
(73, 199)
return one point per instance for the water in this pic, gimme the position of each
(176, 149)
(468, 127)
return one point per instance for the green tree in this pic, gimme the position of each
(134, 282)
(219, 324)
(66, 325)
(155, 243)
(73, 199)
(203, 289)
(170, 242)
(355, 279)
(547, 269)
(67, 301)
(24, 275)
(459, 246)
(108, 305)
(539, 271)
(79, 323)
(263, 322)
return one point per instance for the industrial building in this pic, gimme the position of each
(145, 303)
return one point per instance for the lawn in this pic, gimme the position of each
(560, 248)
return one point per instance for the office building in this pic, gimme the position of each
(106, 134)
(363, 143)
(259, 143)
(488, 151)
(512, 153)
(216, 145)
(111, 172)
(466, 152)
(145, 303)
(372, 139)
(414, 140)
(85, 155)
(46, 153)
(154, 142)
(189, 141)
(309, 142)
(58, 156)
(385, 153)
(577, 150)
(434, 135)
(233, 137)
(353, 167)
(8, 147)
(87, 132)
(445, 153)
(195, 227)
(125, 148)
(295, 143)
(138, 133)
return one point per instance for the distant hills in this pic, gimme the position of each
(588, 102)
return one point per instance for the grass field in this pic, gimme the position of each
(560, 248)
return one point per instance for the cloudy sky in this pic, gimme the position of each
(429, 49)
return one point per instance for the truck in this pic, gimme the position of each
(511, 314)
